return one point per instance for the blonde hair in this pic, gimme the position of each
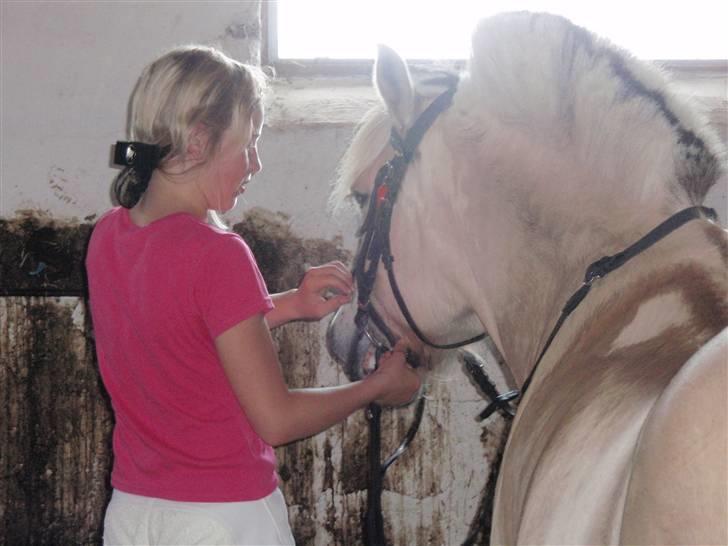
(184, 87)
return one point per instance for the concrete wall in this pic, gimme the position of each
(67, 71)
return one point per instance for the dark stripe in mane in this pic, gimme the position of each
(687, 137)
(701, 168)
(636, 87)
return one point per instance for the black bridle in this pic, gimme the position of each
(375, 248)
(375, 245)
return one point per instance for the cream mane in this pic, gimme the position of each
(579, 95)
(370, 139)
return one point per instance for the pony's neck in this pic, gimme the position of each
(533, 270)
(532, 229)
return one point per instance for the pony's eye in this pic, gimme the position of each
(360, 198)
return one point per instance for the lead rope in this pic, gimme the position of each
(374, 521)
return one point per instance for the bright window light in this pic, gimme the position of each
(418, 29)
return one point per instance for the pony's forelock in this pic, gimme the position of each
(368, 142)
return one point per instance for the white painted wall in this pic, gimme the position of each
(68, 69)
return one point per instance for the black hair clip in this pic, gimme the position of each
(138, 154)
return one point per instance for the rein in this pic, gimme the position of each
(598, 270)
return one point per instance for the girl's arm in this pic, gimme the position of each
(322, 290)
(280, 415)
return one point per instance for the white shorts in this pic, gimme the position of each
(137, 520)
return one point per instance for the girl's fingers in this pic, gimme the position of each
(331, 281)
(399, 351)
(400, 346)
(332, 304)
(333, 268)
(338, 266)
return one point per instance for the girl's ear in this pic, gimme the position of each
(197, 143)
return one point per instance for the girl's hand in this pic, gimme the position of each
(323, 290)
(399, 382)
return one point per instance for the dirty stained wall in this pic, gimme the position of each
(67, 72)
(55, 438)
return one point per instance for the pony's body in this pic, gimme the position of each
(589, 460)
(559, 149)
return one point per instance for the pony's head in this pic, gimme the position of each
(557, 145)
(384, 155)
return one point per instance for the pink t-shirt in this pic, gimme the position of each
(159, 296)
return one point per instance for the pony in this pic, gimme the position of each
(558, 148)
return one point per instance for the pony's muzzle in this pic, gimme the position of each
(354, 346)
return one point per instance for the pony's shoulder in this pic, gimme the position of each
(686, 432)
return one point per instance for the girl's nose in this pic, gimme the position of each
(255, 164)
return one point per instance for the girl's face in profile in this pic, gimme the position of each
(234, 164)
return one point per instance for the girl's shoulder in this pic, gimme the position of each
(213, 244)
(112, 214)
(106, 223)
(207, 232)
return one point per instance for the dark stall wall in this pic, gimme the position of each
(54, 436)
(55, 450)
(55, 421)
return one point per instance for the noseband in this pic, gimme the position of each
(375, 246)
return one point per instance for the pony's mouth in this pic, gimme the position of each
(356, 348)
(348, 345)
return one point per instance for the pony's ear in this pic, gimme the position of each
(394, 84)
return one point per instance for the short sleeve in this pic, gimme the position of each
(230, 287)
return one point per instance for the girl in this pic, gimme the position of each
(181, 317)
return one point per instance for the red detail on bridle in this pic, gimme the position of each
(382, 194)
